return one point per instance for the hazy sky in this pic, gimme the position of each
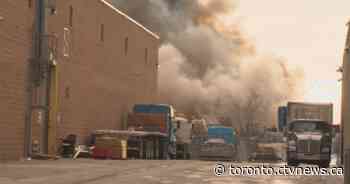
(308, 33)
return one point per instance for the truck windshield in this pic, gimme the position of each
(309, 126)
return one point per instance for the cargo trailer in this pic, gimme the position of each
(221, 144)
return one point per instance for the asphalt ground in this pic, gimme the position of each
(88, 171)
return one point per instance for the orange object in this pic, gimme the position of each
(147, 122)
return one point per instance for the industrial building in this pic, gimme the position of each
(69, 67)
(15, 52)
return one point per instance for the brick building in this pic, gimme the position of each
(15, 51)
(97, 63)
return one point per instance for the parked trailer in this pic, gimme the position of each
(199, 134)
(226, 133)
(221, 144)
(310, 111)
(156, 118)
(139, 144)
(183, 137)
(149, 135)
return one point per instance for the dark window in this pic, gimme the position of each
(71, 16)
(126, 46)
(30, 3)
(178, 124)
(67, 92)
(146, 55)
(102, 33)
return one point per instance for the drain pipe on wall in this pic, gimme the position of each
(34, 73)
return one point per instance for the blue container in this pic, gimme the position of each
(282, 117)
(226, 133)
(153, 108)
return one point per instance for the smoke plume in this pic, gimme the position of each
(208, 66)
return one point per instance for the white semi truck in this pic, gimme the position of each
(309, 133)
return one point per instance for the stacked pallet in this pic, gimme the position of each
(110, 147)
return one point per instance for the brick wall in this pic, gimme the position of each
(101, 79)
(16, 25)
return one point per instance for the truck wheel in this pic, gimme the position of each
(323, 164)
(171, 157)
(292, 163)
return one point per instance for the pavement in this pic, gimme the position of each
(87, 171)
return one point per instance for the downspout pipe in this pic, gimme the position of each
(40, 28)
(44, 74)
(35, 62)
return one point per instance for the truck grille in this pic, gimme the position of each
(309, 146)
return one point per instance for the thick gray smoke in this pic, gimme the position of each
(208, 66)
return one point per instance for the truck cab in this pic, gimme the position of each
(147, 111)
(183, 136)
(309, 141)
(220, 144)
